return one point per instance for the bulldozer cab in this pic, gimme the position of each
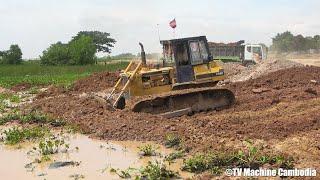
(184, 54)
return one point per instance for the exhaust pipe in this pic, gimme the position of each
(143, 55)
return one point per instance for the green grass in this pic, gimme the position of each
(51, 146)
(36, 74)
(250, 156)
(9, 96)
(153, 170)
(173, 156)
(157, 170)
(16, 135)
(32, 117)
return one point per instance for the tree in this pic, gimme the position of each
(56, 54)
(12, 56)
(79, 51)
(283, 41)
(82, 51)
(102, 40)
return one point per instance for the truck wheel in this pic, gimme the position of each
(249, 64)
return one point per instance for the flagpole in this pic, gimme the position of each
(174, 32)
(158, 32)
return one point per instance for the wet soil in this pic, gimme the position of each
(273, 108)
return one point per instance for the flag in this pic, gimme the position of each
(173, 23)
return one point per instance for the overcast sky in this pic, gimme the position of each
(35, 24)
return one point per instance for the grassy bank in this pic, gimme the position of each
(36, 74)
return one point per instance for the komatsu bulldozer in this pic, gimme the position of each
(186, 64)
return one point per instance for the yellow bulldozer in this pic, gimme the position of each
(186, 64)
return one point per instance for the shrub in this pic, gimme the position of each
(147, 150)
(172, 140)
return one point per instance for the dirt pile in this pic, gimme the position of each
(21, 87)
(231, 69)
(96, 82)
(93, 83)
(235, 72)
(286, 85)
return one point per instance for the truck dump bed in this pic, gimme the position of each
(227, 52)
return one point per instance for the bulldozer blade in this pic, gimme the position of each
(187, 103)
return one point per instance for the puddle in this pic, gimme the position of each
(96, 158)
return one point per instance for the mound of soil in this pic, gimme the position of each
(285, 85)
(236, 72)
(93, 83)
(21, 87)
(232, 68)
(96, 82)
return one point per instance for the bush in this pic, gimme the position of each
(12, 56)
(78, 52)
(56, 54)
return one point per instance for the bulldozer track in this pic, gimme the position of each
(187, 103)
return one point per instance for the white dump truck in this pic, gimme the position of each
(247, 54)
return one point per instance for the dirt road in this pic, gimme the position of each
(312, 62)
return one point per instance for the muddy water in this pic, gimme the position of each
(96, 159)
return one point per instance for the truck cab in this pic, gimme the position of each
(254, 53)
(247, 54)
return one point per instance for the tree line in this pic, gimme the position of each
(287, 42)
(80, 50)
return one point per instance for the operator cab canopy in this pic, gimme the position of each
(186, 51)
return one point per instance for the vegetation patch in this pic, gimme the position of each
(124, 174)
(32, 117)
(251, 157)
(51, 146)
(173, 156)
(153, 170)
(6, 99)
(10, 97)
(9, 117)
(172, 140)
(157, 170)
(17, 135)
(35, 74)
(148, 150)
